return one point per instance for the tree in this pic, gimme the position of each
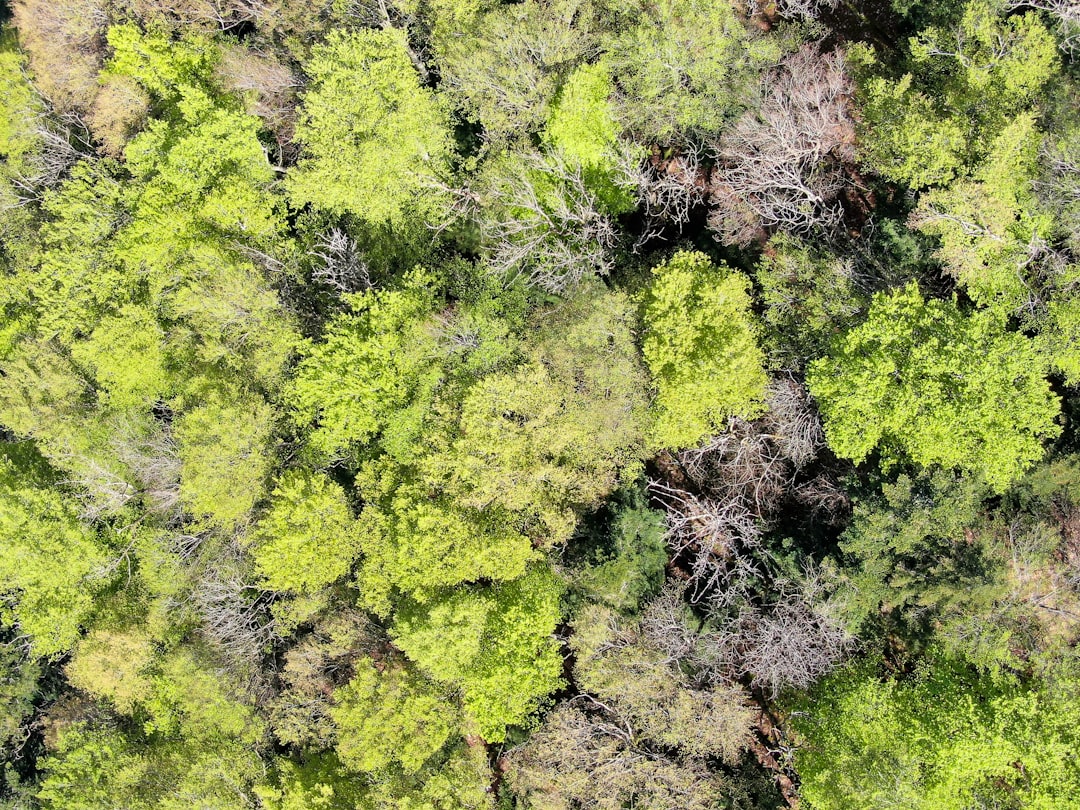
(994, 240)
(927, 126)
(911, 552)
(308, 538)
(349, 165)
(416, 544)
(811, 296)
(391, 715)
(126, 354)
(683, 68)
(945, 738)
(374, 361)
(53, 567)
(639, 683)
(66, 48)
(224, 450)
(781, 165)
(582, 128)
(922, 382)
(494, 643)
(543, 220)
(508, 69)
(574, 760)
(551, 438)
(701, 347)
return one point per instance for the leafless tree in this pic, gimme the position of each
(793, 421)
(791, 645)
(667, 190)
(273, 86)
(664, 624)
(341, 267)
(805, 9)
(781, 165)
(552, 236)
(153, 459)
(63, 140)
(583, 756)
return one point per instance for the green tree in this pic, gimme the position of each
(991, 233)
(391, 715)
(507, 70)
(553, 437)
(685, 67)
(582, 127)
(916, 553)
(53, 567)
(945, 739)
(416, 545)
(701, 346)
(225, 455)
(372, 364)
(308, 538)
(920, 381)
(378, 153)
(494, 643)
(966, 85)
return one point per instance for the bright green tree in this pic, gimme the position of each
(375, 141)
(416, 545)
(922, 382)
(966, 84)
(373, 362)
(391, 715)
(308, 538)
(701, 346)
(945, 739)
(225, 455)
(990, 230)
(494, 643)
(52, 566)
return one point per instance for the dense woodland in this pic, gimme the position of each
(551, 405)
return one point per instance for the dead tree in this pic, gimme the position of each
(667, 190)
(552, 234)
(793, 421)
(340, 266)
(794, 9)
(781, 166)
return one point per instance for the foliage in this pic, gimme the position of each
(390, 715)
(379, 173)
(307, 539)
(944, 739)
(921, 381)
(701, 347)
(965, 86)
(494, 643)
(685, 66)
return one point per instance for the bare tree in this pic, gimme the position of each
(793, 421)
(273, 87)
(792, 9)
(552, 232)
(791, 645)
(781, 165)
(341, 267)
(667, 189)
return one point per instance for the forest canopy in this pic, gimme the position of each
(540, 405)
